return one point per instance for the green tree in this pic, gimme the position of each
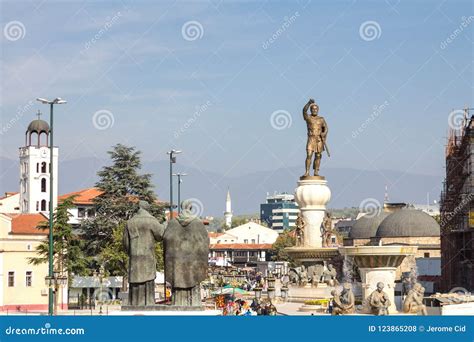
(122, 187)
(284, 240)
(68, 256)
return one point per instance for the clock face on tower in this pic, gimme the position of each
(44, 153)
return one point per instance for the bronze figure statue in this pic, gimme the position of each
(299, 230)
(326, 230)
(317, 134)
(186, 245)
(330, 276)
(414, 300)
(379, 301)
(139, 239)
(343, 303)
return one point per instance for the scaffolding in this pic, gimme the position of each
(457, 208)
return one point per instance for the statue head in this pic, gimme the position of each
(347, 286)
(187, 207)
(380, 286)
(330, 267)
(314, 108)
(143, 205)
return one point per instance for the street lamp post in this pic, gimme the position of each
(179, 175)
(172, 161)
(57, 100)
(171, 153)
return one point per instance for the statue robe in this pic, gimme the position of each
(186, 245)
(139, 238)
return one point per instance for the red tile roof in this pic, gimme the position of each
(28, 224)
(84, 196)
(87, 196)
(253, 246)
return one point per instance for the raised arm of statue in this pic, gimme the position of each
(306, 107)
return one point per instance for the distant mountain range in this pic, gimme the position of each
(349, 186)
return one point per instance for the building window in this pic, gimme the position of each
(11, 279)
(427, 255)
(81, 212)
(28, 278)
(37, 167)
(246, 241)
(37, 205)
(253, 240)
(43, 205)
(43, 184)
(43, 167)
(90, 213)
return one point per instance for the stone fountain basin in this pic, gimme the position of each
(378, 256)
(378, 250)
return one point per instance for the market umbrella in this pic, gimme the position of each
(231, 291)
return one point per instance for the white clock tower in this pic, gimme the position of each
(35, 169)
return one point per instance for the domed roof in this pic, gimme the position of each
(366, 226)
(38, 126)
(408, 222)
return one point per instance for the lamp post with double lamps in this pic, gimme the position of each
(51, 275)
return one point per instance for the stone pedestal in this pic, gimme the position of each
(312, 195)
(371, 276)
(378, 264)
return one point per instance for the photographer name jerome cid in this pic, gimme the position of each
(456, 328)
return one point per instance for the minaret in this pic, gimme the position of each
(35, 169)
(228, 211)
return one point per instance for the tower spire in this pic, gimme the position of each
(228, 210)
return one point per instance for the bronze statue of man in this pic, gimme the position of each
(139, 239)
(317, 133)
(379, 301)
(186, 245)
(343, 303)
(414, 301)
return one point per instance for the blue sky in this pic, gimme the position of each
(212, 95)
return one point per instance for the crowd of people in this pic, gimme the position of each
(241, 307)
